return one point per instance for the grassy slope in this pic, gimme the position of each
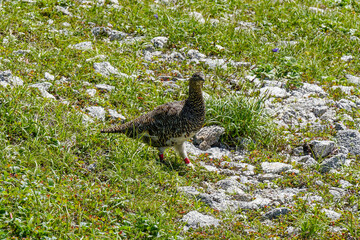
(45, 189)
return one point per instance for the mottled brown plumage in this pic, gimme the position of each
(170, 124)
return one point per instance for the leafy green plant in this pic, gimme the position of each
(311, 227)
(242, 118)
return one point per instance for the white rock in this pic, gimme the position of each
(216, 63)
(195, 219)
(6, 78)
(82, 46)
(313, 88)
(63, 10)
(274, 92)
(317, 10)
(195, 54)
(275, 167)
(159, 42)
(91, 92)
(115, 115)
(347, 58)
(345, 184)
(352, 79)
(197, 16)
(344, 89)
(96, 112)
(331, 214)
(49, 76)
(105, 69)
(44, 85)
(105, 87)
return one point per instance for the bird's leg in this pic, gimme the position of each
(181, 149)
(161, 153)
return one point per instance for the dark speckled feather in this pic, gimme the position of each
(169, 124)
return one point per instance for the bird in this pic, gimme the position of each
(170, 124)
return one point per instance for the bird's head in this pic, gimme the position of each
(197, 78)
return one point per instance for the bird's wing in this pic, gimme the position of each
(155, 121)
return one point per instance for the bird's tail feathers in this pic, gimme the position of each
(115, 129)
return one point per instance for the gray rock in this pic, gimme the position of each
(345, 104)
(239, 64)
(105, 69)
(195, 219)
(347, 58)
(277, 212)
(208, 136)
(209, 167)
(344, 89)
(217, 200)
(316, 10)
(243, 168)
(313, 88)
(21, 52)
(274, 92)
(91, 92)
(197, 16)
(91, 167)
(96, 112)
(176, 56)
(321, 149)
(246, 26)
(188, 191)
(43, 85)
(101, 31)
(349, 139)
(82, 46)
(320, 110)
(298, 151)
(216, 63)
(338, 193)
(283, 196)
(215, 152)
(309, 162)
(49, 76)
(331, 214)
(332, 163)
(268, 177)
(159, 42)
(86, 119)
(352, 79)
(116, 35)
(195, 54)
(115, 115)
(229, 183)
(63, 10)
(345, 184)
(6, 78)
(340, 126)
(105, 87)
(275, 167)
(258, 203)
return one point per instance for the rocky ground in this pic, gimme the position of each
(314, 170)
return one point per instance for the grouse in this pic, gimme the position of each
(170, 124)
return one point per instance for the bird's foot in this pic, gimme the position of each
(188, 163)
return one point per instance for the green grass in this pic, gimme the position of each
(243, 119)
(46, 189)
